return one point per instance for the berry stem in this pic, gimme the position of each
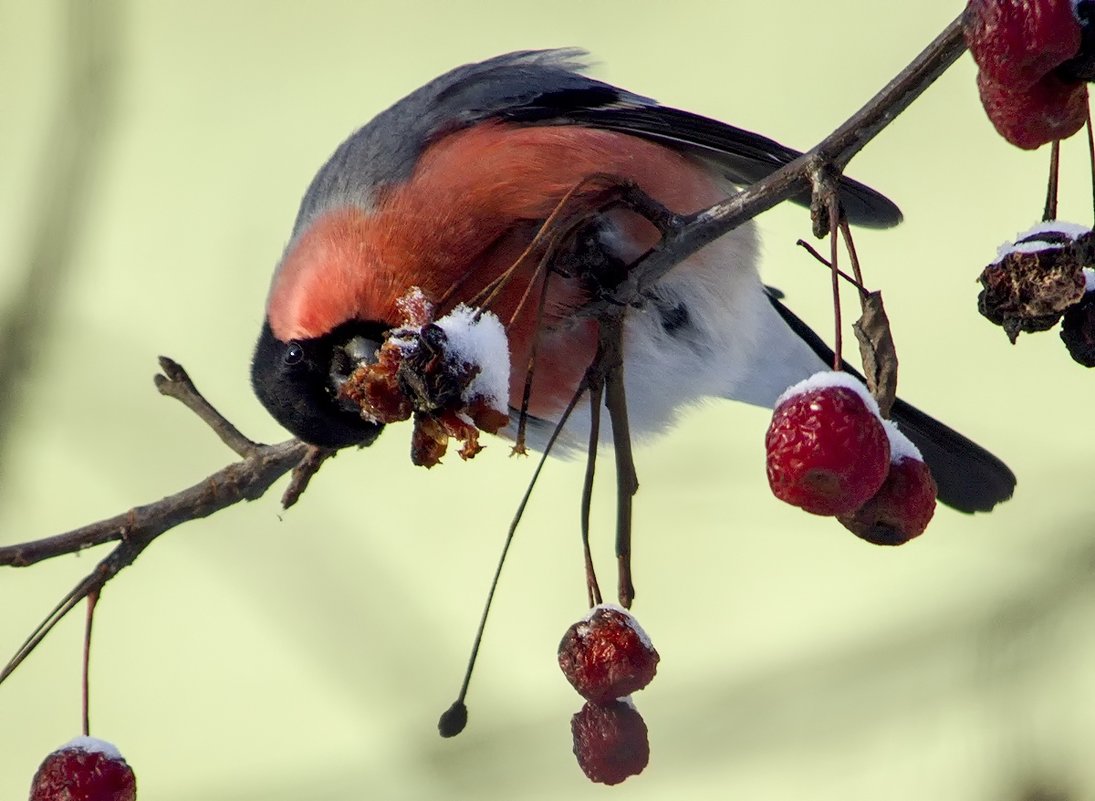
(802, 243)
(627, 482)
(596, 396)
(459, 703)
(92, 600)
(1050, 212)
(838, 338)
(853, 257)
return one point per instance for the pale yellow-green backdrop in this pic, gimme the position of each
(306, 656)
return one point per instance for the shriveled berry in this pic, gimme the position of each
(85, 769)
(607, 655)
(610, 741)
(1078, 330)
(827, 450)
(1030, 116)
(900, 510)
(1017, 42)
(1036, 278)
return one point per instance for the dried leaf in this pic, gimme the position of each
(876, 349)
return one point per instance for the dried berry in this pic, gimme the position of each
(1078, 329)
(85, 769)
(827, 450)
(607, 655)
(610, 741)
(1036, 278)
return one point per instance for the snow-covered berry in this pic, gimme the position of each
(607, 655)
(827, 451)
(1036, 278)
(610, 741)
(84, 769)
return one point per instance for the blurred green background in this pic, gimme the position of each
(152, 155)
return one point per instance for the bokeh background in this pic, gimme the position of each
(152, 155)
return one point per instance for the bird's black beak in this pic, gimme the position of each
(298, 382)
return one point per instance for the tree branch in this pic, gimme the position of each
(831, 154)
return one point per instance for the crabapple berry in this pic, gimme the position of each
(827, 450)
(610, 741)
(607, 655)
(84, 769)
(900, 510)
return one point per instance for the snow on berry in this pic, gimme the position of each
(1016, 43)
(610, 741)
(827, 450)
(902, 507)
(84, 769)
(1037, 277)
(451, 374)
(1042, 235)
(477, 337)
(607, 655)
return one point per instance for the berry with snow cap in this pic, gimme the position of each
(607, 655)
(1037, 277)
(827, 451)
(610, 741)
(903, 505)
(85, 769)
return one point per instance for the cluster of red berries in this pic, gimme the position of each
(85, 769)
(606, 656)
(1020, 47)
(831, 453)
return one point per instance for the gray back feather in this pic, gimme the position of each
(386, 149)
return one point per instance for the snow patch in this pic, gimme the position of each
(901, 447)
(1071, 230)
(628, 618)
(478, 337)
(1089, 279)
(831, 378)
(93, 745)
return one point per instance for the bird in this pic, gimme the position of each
(448, 187)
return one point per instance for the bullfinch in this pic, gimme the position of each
(448, 187)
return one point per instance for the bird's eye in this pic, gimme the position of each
(294, 353)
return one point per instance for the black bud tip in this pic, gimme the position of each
(453, 720)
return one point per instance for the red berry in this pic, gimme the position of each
(827, 450)
(1030, 117)
(900, 510)
(607, 655)
(610, 741)
(1016, 43)
(84, 770)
